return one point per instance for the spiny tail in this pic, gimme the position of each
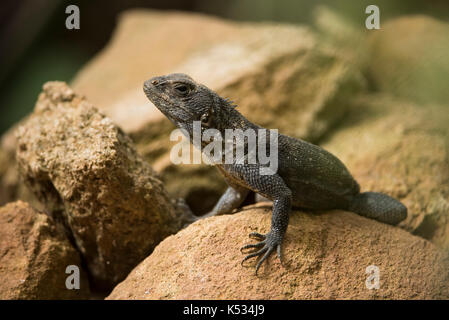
(378, 206)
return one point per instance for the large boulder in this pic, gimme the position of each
(409, 58)
(34, 255)
(281, 76)
(88, 175)
(327, 255)
(402, 149)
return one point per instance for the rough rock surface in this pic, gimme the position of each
(11, 187)
(325, 257)
(5, 193)
(409, 58)
(86, 172)
(34, 254)
(401, 149)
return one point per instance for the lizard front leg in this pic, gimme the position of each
(272, 187)
(273, 239)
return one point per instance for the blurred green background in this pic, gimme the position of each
(36, 47)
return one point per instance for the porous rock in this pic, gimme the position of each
(34, 255)
(11, 188)
(88, 175)
(327, 255)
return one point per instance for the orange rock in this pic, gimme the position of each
(34, 255)
(325, 257)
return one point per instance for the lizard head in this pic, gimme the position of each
(181, 99)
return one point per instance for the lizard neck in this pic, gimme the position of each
(230, 118)
(231, 123)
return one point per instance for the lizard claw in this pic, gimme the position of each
(257, 236)
(268, 244)
(279, 253)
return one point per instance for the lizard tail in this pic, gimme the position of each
(378, 206)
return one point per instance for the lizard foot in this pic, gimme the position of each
(267, 245)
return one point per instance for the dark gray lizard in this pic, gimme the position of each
(307, 177)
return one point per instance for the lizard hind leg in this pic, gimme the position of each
(230, 200)
(378, 206)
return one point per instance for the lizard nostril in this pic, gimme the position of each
(154, 82)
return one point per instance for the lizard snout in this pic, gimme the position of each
(150, 84)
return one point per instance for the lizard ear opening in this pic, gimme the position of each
(206, 119)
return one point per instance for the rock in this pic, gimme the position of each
(86, 172)
(5, 193)
(325, 257)
(281, 76)
(11, 188)
(280, 69)
(9, 180)
(409, 58)
(34, 255)
(343, 36)
(401, 149)
(138, 49)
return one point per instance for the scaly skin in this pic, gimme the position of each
(307, 176)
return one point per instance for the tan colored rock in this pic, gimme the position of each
(140, 47)
(281, 70)
(279, 75)
(343, 36)
(409, 58)
(86, 172)
(325, 257)
(5, 194)
(9, 180)
(401, 149)
(34, 255)
(11, 187)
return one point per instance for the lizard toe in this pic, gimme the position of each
(257, 236)
(255, 254)
(279, 253)
(265, 256)
(252, 246)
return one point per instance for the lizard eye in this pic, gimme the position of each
(182, 89)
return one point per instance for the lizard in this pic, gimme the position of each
(307, 176)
